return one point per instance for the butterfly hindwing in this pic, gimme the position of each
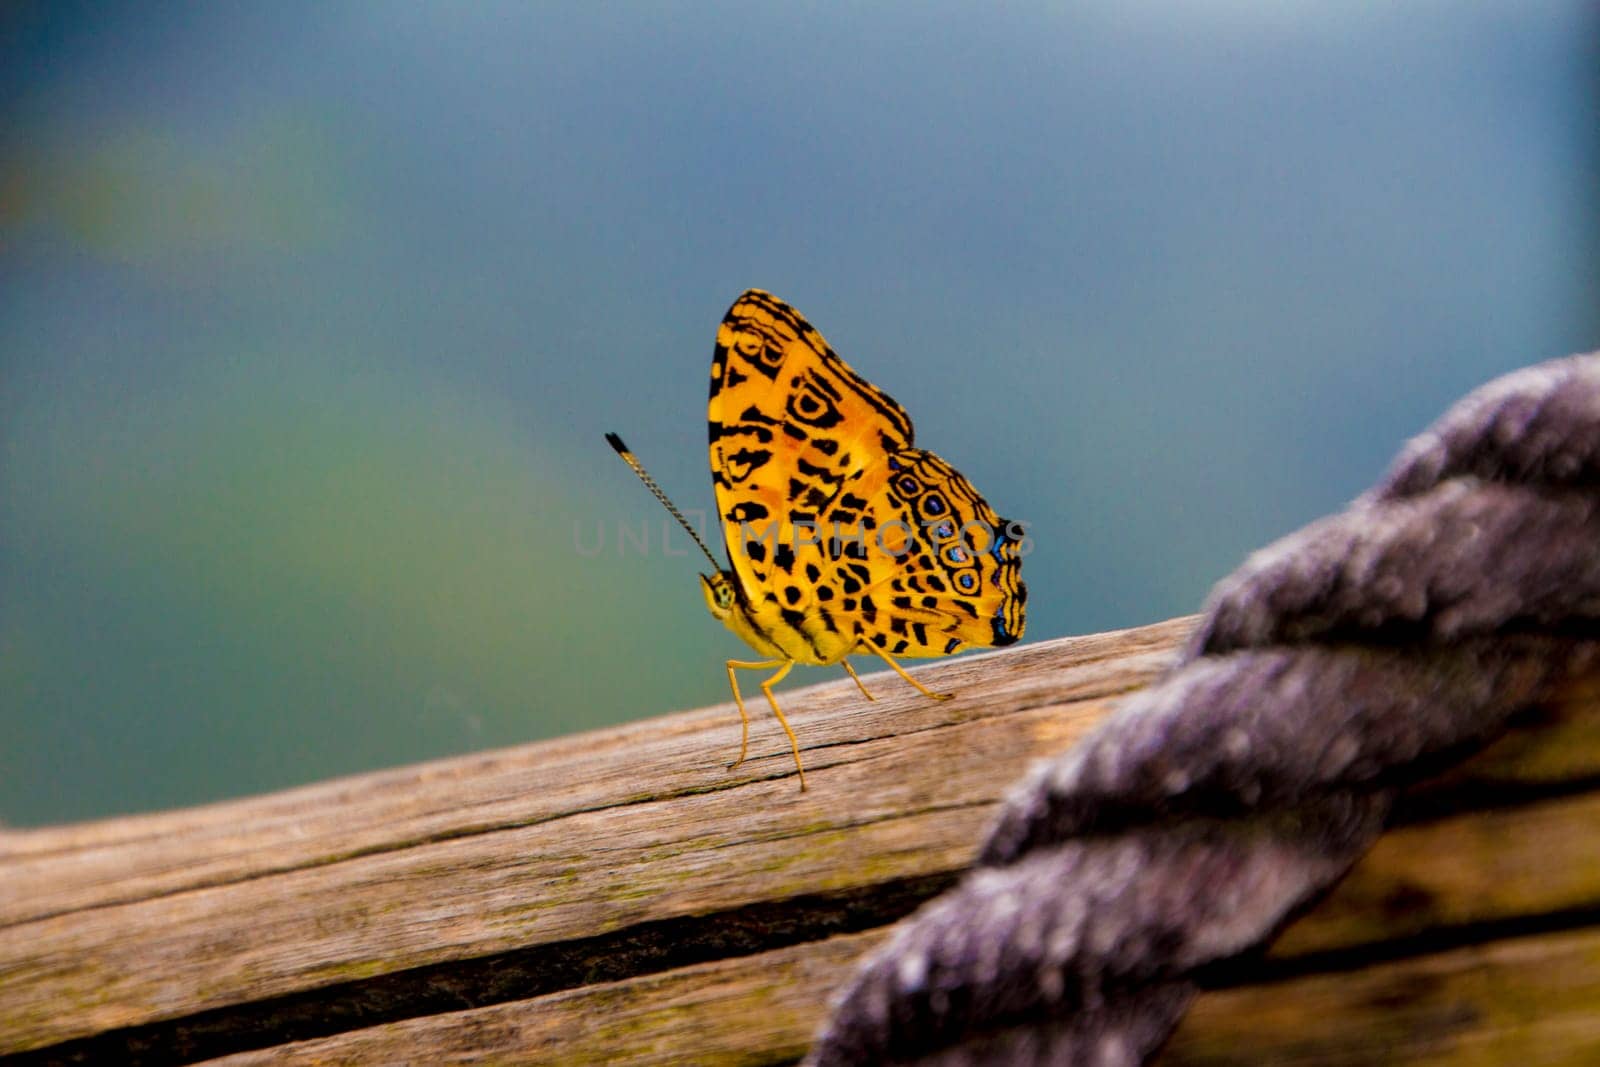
(951, 574)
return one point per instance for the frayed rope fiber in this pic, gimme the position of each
(1330, 670)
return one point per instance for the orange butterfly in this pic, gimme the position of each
(844, 539)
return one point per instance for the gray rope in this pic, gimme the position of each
(1331, 669)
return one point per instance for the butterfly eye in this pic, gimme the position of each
(932, 505)
(908, 485)
(944, 531)
(967, 582)
(956, 556)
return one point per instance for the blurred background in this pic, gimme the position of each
(312, 317)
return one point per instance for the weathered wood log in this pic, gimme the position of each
(621, 897)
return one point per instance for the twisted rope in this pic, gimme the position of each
(1330, 670)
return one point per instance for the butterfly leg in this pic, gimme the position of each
(783, 666)
(857, 677)
(794, 742)
(744, 716)
(901, 672)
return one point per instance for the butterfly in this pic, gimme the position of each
(843, 538)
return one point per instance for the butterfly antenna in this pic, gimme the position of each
(650, 483)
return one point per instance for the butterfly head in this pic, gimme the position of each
(719, 593)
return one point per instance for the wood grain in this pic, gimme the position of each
(1527, 1001)
(751, 1010)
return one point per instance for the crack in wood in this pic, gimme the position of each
(517, 975)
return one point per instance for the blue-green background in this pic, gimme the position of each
(312, 317)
